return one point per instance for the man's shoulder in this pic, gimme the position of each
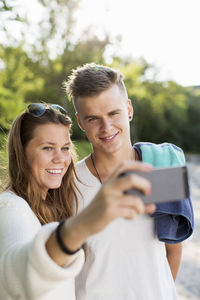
(82, 171)
(163, 154)
(81, 165)
(154, 145)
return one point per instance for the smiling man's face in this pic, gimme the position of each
(105, 119)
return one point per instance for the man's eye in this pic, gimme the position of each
(92, 119)
(65, 149)
(114, 113)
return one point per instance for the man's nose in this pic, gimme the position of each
(106, 124)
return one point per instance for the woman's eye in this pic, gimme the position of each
(47, 148)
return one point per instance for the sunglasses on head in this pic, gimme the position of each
(38, 109)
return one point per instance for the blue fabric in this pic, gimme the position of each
(174, 220)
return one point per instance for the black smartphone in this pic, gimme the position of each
(168, 184)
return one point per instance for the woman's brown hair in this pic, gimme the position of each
(59, 203)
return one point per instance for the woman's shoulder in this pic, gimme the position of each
(10, 204)
(10, 199)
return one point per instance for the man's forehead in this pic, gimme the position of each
(108, 105)
(112, 94)
(100, 104)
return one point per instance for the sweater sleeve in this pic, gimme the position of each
(27, 271)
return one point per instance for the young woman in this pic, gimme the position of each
(39, 257)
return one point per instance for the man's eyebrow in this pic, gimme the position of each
(96, 116)
(115, 110)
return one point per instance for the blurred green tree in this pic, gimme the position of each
(16, 81)
(164, 111)
(192, 129)
(161, 108)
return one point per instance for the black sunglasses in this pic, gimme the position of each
(38, 109)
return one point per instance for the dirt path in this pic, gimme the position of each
(188, 281)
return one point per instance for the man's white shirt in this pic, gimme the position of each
(124, 261)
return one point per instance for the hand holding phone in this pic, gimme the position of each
(167, 184)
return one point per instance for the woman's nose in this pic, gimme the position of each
(59, 157)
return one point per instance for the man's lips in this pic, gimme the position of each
(109, 138)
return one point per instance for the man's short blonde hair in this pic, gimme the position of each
(91, 79)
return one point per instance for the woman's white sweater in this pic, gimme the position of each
(26, 270)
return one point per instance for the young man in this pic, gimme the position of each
(126, 260)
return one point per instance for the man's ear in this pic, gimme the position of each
(130, 110)
(79, 122)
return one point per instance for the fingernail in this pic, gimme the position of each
(149, 167)
(149, 192)
(152, 207)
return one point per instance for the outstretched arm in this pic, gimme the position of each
(109, 203)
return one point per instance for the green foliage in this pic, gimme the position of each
(83, 148)
(163, 111)
(18, 73)
(192, 128)
(3, 160)
(17, 81)
(10, 106)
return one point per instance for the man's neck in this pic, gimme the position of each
(104, 164)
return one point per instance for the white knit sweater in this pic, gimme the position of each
(26, 270)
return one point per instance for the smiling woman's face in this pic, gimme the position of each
(48, 155)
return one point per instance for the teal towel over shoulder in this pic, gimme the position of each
(162, 155)
(174, 220)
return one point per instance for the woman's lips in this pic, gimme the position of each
(54, 171)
